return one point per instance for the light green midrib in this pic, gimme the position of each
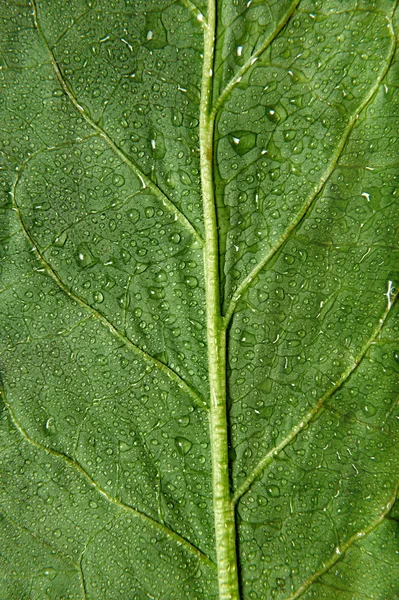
(146, 182)
(224, 514)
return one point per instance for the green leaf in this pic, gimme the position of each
(199, 317)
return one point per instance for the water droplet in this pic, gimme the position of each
(176, 117)
(184, 177)
(175, 238)
(118, 180)
(369, 410)
(274, 152)
(125, 256)
(191, 281)
(276, 114)
(184, 421)
(273, 491)
(158, 145)
(289, 259)
(289, 135)
(50, 572)
(61, 239)
(275, 174)
(42, 206)
(98, 297)
(50, 425)
(141, 267)
(242, 141)
(149, 212)
(161, 276)
(157, 293)
(85, 258)
(272, 114)
(133, 215)
(297, 149)
(183, 445)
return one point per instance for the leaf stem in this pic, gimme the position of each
(224, 514)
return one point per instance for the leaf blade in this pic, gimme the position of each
(103, 297)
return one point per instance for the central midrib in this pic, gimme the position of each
(224, 516)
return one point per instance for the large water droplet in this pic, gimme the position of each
(84, 257)
(242, 141)
(157, 293)
(273, 491)
(118, 180)
(183, 445)
(99, 297)
(61, 239)
(184, 177)
(191, 281)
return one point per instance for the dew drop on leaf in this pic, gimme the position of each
(273, 490)
(99, 297)
(183, 445)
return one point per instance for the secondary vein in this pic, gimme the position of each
(307, 205)
(252, 59)
(343, 548)
(170, 373)
(267, 459)
(38, 538)
(137, 513)
(145, 181)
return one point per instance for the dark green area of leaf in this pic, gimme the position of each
(105, 467)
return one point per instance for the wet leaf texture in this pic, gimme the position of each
(105, 468)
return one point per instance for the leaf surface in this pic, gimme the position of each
(200, 339)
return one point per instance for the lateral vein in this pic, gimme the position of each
(253, 58)
(183, 385)
(306, 207)
(137, 513)
(38, 538)
(267, 459)
(343, 548)
(145, 181)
